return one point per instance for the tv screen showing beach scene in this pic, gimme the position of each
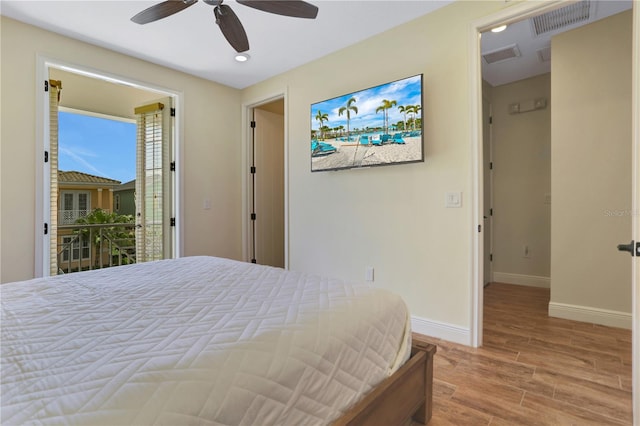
(378, 126)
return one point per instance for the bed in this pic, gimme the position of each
(204, 340)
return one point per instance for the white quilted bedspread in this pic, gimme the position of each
(197, 340)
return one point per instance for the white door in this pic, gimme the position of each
(487, 186)
(155, 223)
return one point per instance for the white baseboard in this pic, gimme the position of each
(519, 279)
(448, 332)
(592, 315)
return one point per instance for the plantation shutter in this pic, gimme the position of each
(153, 182)
(55, 87)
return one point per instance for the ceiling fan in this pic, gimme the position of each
(226, 19)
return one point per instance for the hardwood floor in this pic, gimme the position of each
(532, 369)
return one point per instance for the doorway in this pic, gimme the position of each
(517, 185)
(98, 95)
(266, 183)
(95, 156)
(513, 14)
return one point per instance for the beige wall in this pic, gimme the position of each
(591, 167)
(211, 146)
(392, 218)
(521, 180)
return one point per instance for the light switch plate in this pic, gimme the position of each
(453, 200)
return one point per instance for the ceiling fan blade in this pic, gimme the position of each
(293, 8)
(162, 10)
(231, 27)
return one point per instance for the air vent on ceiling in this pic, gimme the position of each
(544, 54)
(502, 54)
(560, 18)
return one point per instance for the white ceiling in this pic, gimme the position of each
(522, 35)
(191, 42)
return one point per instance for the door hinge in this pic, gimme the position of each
(491, 165)
(253, 124)
(172, 166)
(253, 170)
(490, 212)
(479, 228)
(490, 120)
(254, 261)
(253, 216)
(491, 257)
(46, 156)
(173, 112)
(46, 228)
(46, 86)
(172, 221)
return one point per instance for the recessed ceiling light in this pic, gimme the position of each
(242, 57)
(499, 29)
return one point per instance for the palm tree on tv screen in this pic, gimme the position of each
(386, 105)
(347, 109)
(414, 110)
(404, 110)
(321, 117)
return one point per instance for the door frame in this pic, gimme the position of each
(42, 179)
(509, 15)
(247, 191)
(635, 222)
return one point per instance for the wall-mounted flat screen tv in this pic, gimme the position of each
(378, 126)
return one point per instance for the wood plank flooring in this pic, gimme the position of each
(533, 369)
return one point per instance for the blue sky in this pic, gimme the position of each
(404, 92)
(98, 146)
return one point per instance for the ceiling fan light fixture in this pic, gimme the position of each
(242, 57)
(499, 29)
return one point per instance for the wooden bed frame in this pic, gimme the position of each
(406, 394)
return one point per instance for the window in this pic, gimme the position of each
(73, 205)
(71, 248)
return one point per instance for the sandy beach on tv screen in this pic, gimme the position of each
(352, 154)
